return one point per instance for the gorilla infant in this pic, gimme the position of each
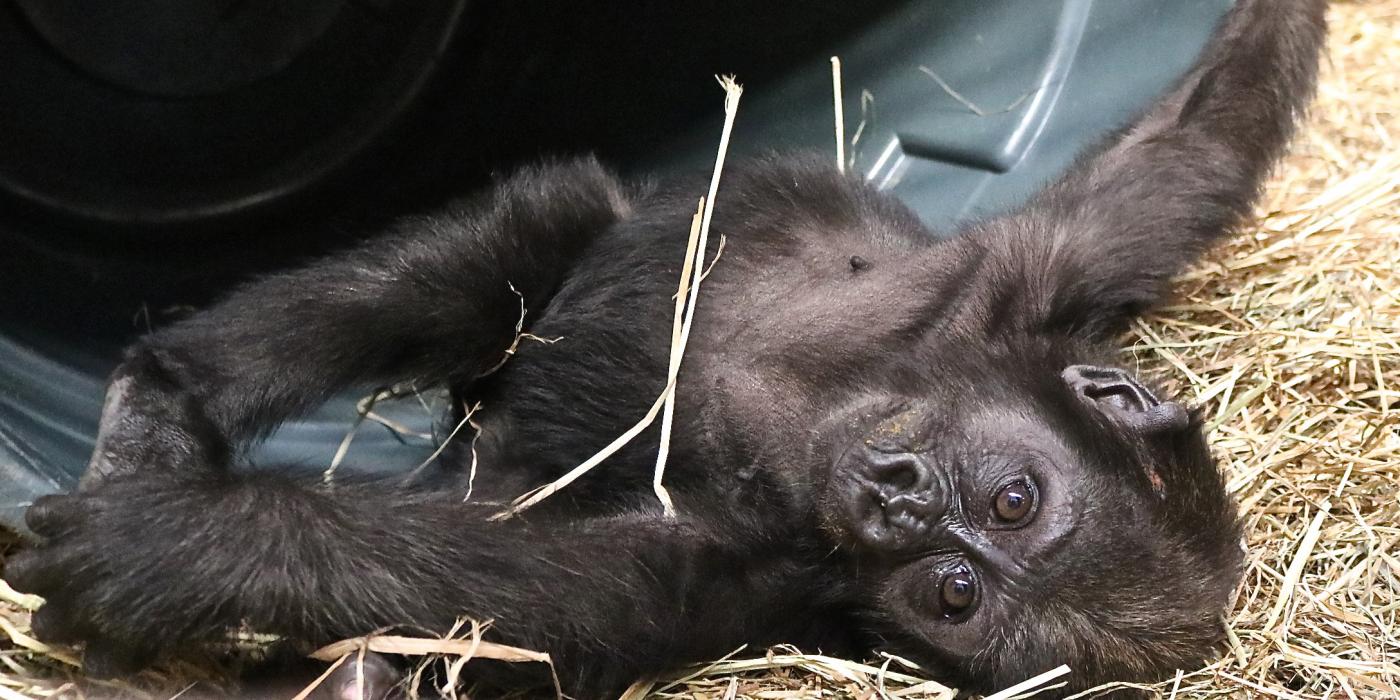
(882, 439)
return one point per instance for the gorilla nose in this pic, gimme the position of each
(898, 499)
(899, 471)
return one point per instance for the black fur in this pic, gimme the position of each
(856, 399)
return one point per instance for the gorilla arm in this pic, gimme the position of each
(431, 301)
(1099, 245)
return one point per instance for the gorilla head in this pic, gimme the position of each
(1008, 521)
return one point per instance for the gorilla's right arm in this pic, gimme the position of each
(430, 301)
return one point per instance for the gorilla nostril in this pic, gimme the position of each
(913, 507)
(899, 472)
(899, 523)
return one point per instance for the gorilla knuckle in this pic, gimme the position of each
(51, 624)
(50, 516)
(27, 572)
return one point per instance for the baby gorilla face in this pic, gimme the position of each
(976, 503)
(1003, 542)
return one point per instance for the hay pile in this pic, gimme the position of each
(1290, 335)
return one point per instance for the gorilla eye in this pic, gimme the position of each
(957, 592)
(1014, 502)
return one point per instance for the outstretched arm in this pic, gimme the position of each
(1099, 245)
(610, 598)
(429, 301)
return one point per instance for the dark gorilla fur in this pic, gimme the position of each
(882, 439)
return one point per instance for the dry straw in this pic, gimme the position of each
(1289, 335)
(693, 272)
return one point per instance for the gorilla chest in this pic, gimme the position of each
(777, 347)
(780, 339)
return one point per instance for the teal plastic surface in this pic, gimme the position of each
(973, 104)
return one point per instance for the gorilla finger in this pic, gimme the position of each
(104, 659)
(51, 624)
(50, 516)
(30, 571)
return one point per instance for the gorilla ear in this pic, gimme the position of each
(1116, 394)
